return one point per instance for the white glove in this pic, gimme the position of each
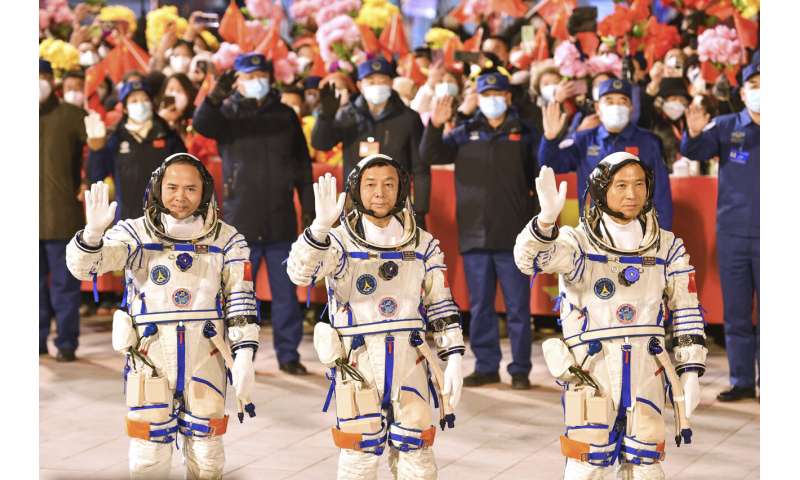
(95, 128)
(99, 214)
(691, 391)
(326, 205)
(453, 379)
(244, 374)
(550, 200)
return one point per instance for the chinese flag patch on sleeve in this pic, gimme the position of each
(632, 150)
(248, 271)
(692, 284)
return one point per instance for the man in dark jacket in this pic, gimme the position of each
(138, 145)
(61, 140)
(494, 167)
(376, 122)
(264, 160)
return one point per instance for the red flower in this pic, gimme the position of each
(658, 39)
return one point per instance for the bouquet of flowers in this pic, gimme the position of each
(720, 52)
(477, 11)
(302, 12)
(607, 63)
(337, 38)
(119, 13)
(376, 14)
(569, 62)
(62, 56)
(259, 8)
(336, 8)
(226, 55)
(55, 18)
(157, 22)
(285, 68)
(437, 37)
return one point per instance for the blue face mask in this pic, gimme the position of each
(492, 106)
(256, 88)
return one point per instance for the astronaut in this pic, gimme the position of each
(628, 296)
(190, 313)
(387, 286)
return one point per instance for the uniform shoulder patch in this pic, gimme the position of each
(566, 143)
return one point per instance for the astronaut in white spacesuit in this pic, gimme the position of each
(190, 312)
(387, 285)
(628, 295)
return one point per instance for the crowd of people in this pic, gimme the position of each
(498, 93)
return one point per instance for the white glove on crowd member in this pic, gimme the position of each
(244, 374)
(550, 199)
(326, 205)
(691, 391)
(453, 379)
(95, 128)
(99, 214)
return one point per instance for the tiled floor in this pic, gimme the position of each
(500, 433)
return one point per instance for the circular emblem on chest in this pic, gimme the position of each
(159, 274)
(184, 261)
(604, 288)
(366, 284)
(388, 270)
(181, 298)
(626, 313)
(388, 307)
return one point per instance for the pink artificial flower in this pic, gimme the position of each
(226, 55)
(719, 45)
(54, 4)
(335, 8)
(63, 15)
(607, 63)
(568, 61)
(259, 8)
(44, 19)
(339, 29)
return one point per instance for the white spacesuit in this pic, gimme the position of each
(190, 309)
(627, 295)
(386, 287)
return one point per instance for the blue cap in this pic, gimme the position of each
(252, 62)
(751, 70)
(45, 67)
(615, 85)
(493, 81)
(375, 65)
(311, 82)
(130, 87)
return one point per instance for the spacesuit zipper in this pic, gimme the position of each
(181, 330)
(388, 372)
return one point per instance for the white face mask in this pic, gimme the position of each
(87, 58)
(74, 97)
(492, 106)
(752, 98)
(614, 117)
(179, 63)
(302, 63)
(181, 100)
(140, 112)
(376, 94)
(673, 109)
(548, 92)
(44, 90)
(445, 89)
(256, 88)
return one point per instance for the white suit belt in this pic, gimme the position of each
(384, 326)
(614, 332)
(176, 316)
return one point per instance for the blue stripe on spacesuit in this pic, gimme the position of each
(388, 372)
(206, 382)
(625, 400)
(412, 390)
(649, 403)
(181, 247)
(181, 329)
(678, 272)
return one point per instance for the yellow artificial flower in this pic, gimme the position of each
(62, 56)
(157, 21)
(118, 13)
(210, 40)
(437, 37)
(376, 14)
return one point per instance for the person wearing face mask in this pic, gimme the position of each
(180, 57)
(736, 139)
(264, 161)
(311, 93)
(440, 83)
(620, 276)
(494, 153)
(377, 121)
(72, 88)
(188, 316)
(87, 55)
(176, 105)
(62, 137)
(669, 122)
(134, 148)
(581, 152)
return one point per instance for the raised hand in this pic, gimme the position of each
(329, 102)
(550, 199)
(326, 206)
(99, 214)
(223, 88)
(442, 110)
(696, 119)
(553, 120)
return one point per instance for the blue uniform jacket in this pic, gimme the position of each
(735, 138)
(586, 148)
